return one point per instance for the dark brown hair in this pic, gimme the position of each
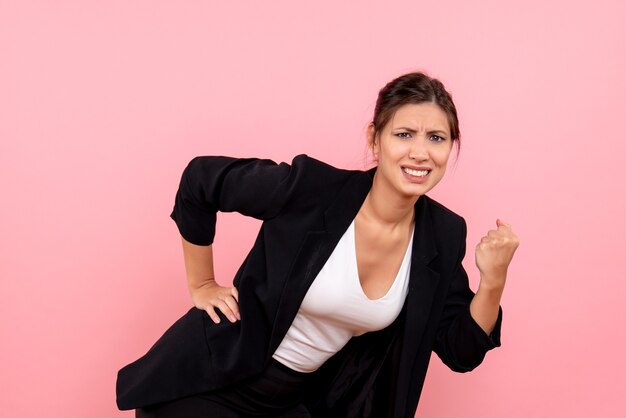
(415, 88)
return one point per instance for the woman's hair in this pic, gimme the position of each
(415, 88)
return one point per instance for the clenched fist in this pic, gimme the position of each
(494, 253)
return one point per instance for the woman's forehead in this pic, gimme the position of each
(427, 116)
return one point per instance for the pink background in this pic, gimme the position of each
(102, 103)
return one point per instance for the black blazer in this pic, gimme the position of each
(306, 207)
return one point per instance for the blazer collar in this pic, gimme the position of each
(344, 209)
(424, 236)
(349, 200)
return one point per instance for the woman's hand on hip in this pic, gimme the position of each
(494, 253)
(211, 296)
(205, 292)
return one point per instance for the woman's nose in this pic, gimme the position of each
(419, 149)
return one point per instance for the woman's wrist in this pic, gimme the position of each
(492, 283)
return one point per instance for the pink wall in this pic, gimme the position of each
(102, 103)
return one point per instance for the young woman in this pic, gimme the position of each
(354, 279)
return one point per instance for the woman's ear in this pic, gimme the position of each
(372, 140)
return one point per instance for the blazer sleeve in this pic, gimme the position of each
(254, 187)
(461, 343)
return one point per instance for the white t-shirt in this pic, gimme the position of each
(335, 309)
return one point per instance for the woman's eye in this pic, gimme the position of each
(403, 135)
(437, 138)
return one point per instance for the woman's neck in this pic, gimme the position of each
(386, 207)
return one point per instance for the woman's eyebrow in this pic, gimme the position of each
(411, 130)
(404, 128)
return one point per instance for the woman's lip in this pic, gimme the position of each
(416, 179)
(412, 167)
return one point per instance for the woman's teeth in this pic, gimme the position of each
(416, 173)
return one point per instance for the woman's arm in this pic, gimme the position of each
(470, 323)
(494, 253)
(252, 187)
(205, 292)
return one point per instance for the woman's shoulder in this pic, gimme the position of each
(322, 166)
(318, 173)
(442, 214)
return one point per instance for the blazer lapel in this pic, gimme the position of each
(423, 282)
(316, 249)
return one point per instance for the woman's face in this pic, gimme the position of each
(413, 149)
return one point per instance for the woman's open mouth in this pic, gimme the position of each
(416, 175)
